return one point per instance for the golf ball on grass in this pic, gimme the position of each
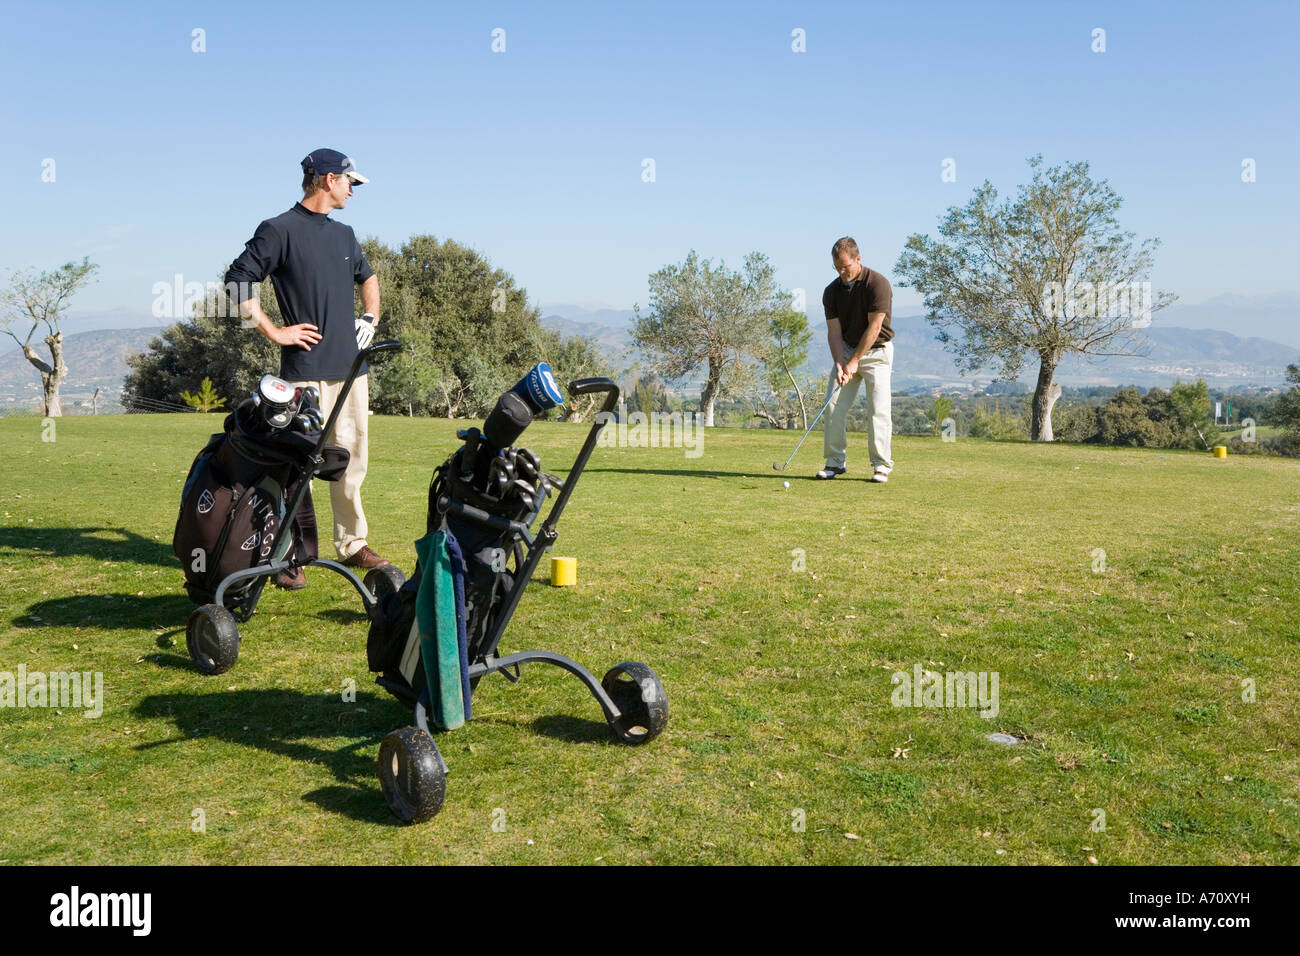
(785, 484)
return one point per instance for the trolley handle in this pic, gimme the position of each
(593, 386)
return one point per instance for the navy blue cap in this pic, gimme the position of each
(321, 161)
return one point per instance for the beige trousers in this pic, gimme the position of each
(351, 431)
(874, 369)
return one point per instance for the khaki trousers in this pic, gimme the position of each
(351, 431)
(874, 369)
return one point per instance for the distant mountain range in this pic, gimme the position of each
(97, 358)
(1221, 358)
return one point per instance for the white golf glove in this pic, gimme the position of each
(365, 332)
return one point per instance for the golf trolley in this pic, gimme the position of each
(273, 446)
(482, 501)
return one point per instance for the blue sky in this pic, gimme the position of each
(167, 159)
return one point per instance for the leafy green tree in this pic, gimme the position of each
(206, 400)
(213, 343)
(645, 392)
(941, 410)
(467, 327)
(1191, 413)
(1287, 409)
(997, 424)
(711, 317)
(467, 330)
(1023, 278)
(786, 352)
(573, 357)
(40, 299)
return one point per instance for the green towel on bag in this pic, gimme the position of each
(435, 614)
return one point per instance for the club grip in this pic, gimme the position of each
(388, 345)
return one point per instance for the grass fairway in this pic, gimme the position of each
(1125, 684)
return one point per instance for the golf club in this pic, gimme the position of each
(780, 467)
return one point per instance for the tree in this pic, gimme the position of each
(40, 299)
(206, 400)
(213, 343)
(939, 413)
(467, 331)
(573, 357)
(700, 315)
(646, 393)
(1190, 413)
(1050, 273)
(1158, 419)
(786, 351)
(1287, 412)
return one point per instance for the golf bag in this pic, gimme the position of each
(434, 637)
(233, 503)
(485, 564)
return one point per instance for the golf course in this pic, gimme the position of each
(1137, 606)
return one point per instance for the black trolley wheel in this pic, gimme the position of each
(640, 698)
(411, 775)
(212, 637)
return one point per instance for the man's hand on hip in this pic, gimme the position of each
(304, 336)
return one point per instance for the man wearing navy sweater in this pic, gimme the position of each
(313, 263)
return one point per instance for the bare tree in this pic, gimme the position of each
(39, 299)
(1050, 273)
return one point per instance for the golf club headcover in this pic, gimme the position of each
(507, 421)
(538, 388)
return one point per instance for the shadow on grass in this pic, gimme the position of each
(577, 730)
(109, 611)
(692, 473)
(793, 475)
(343, 615)
(104, 544)
(173, 662)
(287, 723)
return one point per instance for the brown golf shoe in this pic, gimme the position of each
(365, 558)
(294, 580)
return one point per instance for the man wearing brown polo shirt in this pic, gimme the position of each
(858, 306)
